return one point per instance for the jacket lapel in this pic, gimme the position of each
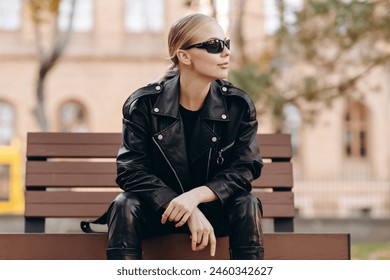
(170, 137)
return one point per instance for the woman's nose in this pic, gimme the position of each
(226, 51)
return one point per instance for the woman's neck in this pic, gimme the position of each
(193, 92)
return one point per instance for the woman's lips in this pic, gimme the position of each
(224, 65)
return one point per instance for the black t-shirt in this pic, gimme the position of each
(189, 119)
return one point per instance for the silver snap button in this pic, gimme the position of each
(223, 117)
(160, 137)
(156, 110)
(158, 87)
(224, 89)
(214, 139)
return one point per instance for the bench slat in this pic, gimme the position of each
(115, 138)
(72, 151)
(103, 174)
(93, 204)
(42, 197)
(106, 145)
(42, 167)
(108, 180)
(276, 146)
(277, 139)
(72, 167)
(74, 138)
(73, 210)
(70, 180)
(283, 246)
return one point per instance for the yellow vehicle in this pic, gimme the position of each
(10, 158)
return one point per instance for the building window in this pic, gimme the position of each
(355, 132)
(73, 117)
(7, 120)
(292, 124)
(10, 15)
(144, 15)
(83, 15)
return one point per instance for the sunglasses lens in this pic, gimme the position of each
(214, 46)
(217, 46)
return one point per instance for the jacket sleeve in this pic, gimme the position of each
(134, 173)
(245, 165)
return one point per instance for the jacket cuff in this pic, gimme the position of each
(221, 191)
(161, 196)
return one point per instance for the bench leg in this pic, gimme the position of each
(284, 225)
(34, 225)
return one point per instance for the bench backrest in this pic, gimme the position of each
(72, 175)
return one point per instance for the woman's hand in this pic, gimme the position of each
(202, 232)
(181, 207)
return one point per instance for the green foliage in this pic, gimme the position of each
(310, 87)
(251, 79)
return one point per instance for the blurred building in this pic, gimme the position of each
(342, 164)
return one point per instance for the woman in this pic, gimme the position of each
(189, 153)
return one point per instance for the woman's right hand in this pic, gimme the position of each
(202, 232)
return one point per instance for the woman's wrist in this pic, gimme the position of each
(204, 194)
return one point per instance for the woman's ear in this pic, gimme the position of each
(184, 57)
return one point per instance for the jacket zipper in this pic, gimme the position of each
(208, 165)
(169, 163)
(220, 158)
(208, 162)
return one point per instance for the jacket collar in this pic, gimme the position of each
(214, 107)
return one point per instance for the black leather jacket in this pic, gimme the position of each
(153, 160)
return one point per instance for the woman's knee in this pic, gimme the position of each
(247, 204)
(126, 206)
(125, 223)
(245, 224)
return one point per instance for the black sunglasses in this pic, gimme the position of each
(212, 46)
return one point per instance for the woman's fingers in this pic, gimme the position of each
(183, 220)
(213, 244)
(204, 241)
(175, 211)
(194, 241)
(166, 214)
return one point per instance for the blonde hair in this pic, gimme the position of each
(181, 34)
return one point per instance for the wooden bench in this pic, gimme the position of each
(72, 175)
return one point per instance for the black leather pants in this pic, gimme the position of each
(130, 220)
